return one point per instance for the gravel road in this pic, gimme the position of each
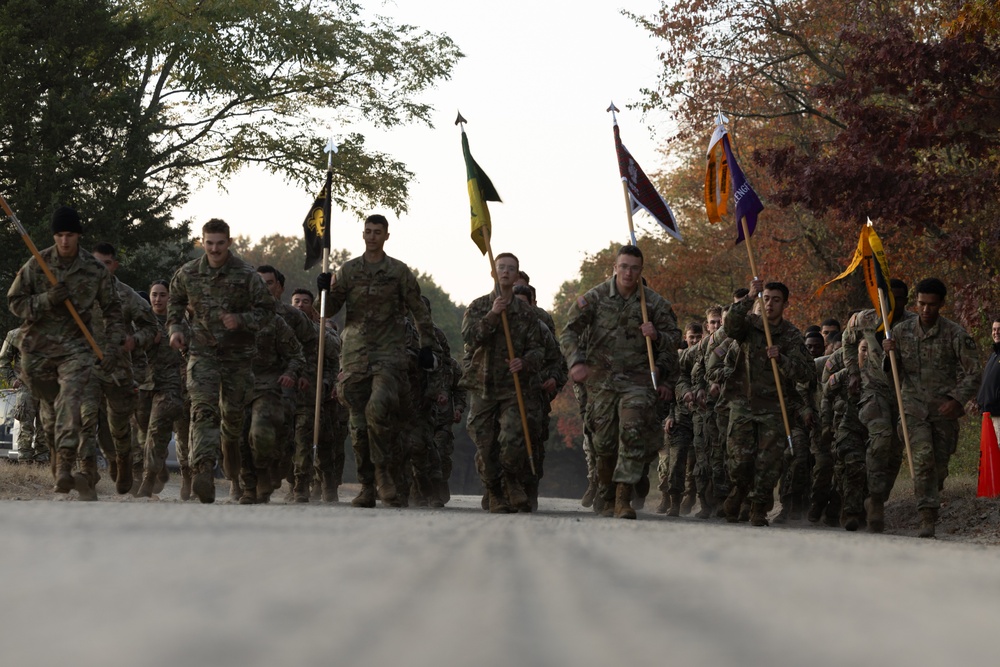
(163, 583)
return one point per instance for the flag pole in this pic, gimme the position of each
(642, 292)
(895, 379)
(767, 335)
(52, 279)
(460, 121)
(330, 149)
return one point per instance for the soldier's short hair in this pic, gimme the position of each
(896, 283)
(932, 286)
(521, 275)
(812, 328)
(740, 292)
(377, 219)
(713, 310)
(776, 287)
(215, 226)
(303, 290)
(836, 337)
(694, 327)
(631, 251)
(504, 255)
(106, 248)
(814, 334)
(831, 322)
(522, 290)
(278, 275)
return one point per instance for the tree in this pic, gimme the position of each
(115, 106)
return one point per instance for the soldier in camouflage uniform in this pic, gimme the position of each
(494, 416)
(543, 386)
(879, 411)
(756, 440)
(110, 401)
(56, 359)
(229, 302)
(277, 363)
(939, 372)
(679, 428)
(160, 404)
(32, 444)
(614, 363)
(302, 415)
(377, 290)
(447, 416)
(708, 396)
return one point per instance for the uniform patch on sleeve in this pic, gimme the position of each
(581, 302)
(719, 352)
(829, 364)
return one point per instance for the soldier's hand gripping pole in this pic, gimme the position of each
(767, 335)
(510, 355)
(895, 379)
(52, 279)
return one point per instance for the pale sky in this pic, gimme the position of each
(534, 85)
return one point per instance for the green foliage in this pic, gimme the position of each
(116, 106)
(446, 313)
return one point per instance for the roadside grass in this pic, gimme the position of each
(20, 481)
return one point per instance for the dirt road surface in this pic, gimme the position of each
(176, 585)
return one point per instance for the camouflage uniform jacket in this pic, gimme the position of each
(863, 325)
(752, 366)
(377, 297)
(936, 365)
(278, 353)
(49, 330)
(163, 363)
(839, 408)
(233, 288)
(686, 359)
(487, 373)
(139, 322)
(305, 331)
(614, 348)
(10, 356)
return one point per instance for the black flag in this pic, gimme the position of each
(317, 225)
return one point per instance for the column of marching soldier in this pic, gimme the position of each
(218, 359)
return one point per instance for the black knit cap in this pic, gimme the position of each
(66, 219)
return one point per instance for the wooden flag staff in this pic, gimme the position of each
(895, 379)
(330, 149)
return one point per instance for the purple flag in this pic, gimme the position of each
(747, 202)
(641, 191)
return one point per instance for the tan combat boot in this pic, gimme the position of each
(86, 479)
(674, 506)
(203, 484)
(65, 458)
(162, 477)
(385, 486)
(185, 482)
(123, 483)
(366, 498)
(498, 499)
(264, 488)
(687, 503)
(249, 496)
(236, 490)
(707, 507)
(758, 514)
(928, 517)
(136, 477)
(604, 504)
(664, 504)
(146, 486)
(589, 494)
(301, 488)
(515, 493)
(623, 501)
(876, 514)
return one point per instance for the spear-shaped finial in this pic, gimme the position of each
(720, 118)
(330, 149)
(613, 109)
(459, 120)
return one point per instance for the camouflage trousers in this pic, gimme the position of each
(849, 453)
(715, 448)
(32, 444)
(821, 485)
(265, 418)
(444, 441)
(219, 392)
(158, 413)
(495, 428)
(756, 443)
(879, 414)
(580, 391)
(932, 442)
(537, 409)
(107, 413)
(182, 432)
(624, 428)
(375, 402)
(332, 436)
(60, 384)
(677, 448)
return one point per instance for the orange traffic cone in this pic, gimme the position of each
(989, 461)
